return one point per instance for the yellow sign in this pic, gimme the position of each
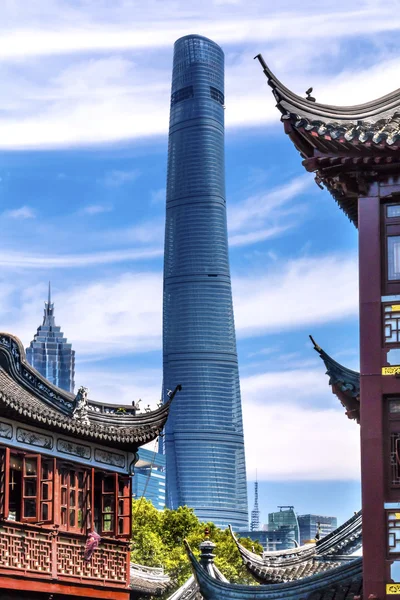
(393, 588)
(395, 307)
(391, 370)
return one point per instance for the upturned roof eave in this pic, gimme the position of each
(289, 101)
(28, 396)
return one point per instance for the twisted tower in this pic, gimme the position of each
(204, 436)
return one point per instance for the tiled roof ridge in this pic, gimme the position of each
(296, 563)
(347, 573)
(25, 392)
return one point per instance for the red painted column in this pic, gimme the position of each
(372, 430)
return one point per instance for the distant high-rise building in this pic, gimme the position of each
(149, 479)
(309, 525)
(285, 522)
(255, 513)
(204, 442)
(49, 352)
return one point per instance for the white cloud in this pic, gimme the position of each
(289, 442)
(300, 292)
(118, 315)
(266, 215)
(123, 313)
(48, 261)
(117, 178)
(103, 88)
(121, 387)
(24, 212)
(96, 209)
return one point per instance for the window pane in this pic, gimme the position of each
(108, 522)
(30, 466)
(72, 498)
(393, 210)
(63, 496)
(45, 491)
(63, 516)
(29, 509)
(108, 484)
(45, 470)
(72, 482)
(393, 257)
(72, 517)
(45, 512)
(30, 487)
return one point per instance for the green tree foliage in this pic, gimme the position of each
(157, 540)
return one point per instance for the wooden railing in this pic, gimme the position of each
(35, 552)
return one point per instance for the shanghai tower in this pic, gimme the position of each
(203, 442)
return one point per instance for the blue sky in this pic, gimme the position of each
(84, 122)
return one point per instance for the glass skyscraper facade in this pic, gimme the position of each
(149, 478)
(50, 353)
(204, 443)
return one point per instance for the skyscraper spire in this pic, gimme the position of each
(48, 318)
(255, 513)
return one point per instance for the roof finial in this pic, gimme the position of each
(49, 300)
(309, 97)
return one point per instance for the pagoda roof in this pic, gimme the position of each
(148, 581)
(343, 582)
(344, 382)
(338, 142)
(309, 559)
(27, 396)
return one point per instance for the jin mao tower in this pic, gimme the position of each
(50, 353)
(204, 435)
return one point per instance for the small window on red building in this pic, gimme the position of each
(74, 498)
(112, 508)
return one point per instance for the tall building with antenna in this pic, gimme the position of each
(204, 442)
(255, 513)
(50, 353)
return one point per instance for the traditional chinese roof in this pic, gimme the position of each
(341, 583)
(306, 560)
(28, 396)
(345, 383)
(148, 581)
(345, 146)
(190, 589)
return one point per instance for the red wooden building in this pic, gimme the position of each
(354, 152)
(65, 491)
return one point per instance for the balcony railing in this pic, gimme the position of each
(36, 552)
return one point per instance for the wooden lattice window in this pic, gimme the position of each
(31, 466)
(124, 507)
(48, 468)
(108, 494)
(112, 505)
(74, 498)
